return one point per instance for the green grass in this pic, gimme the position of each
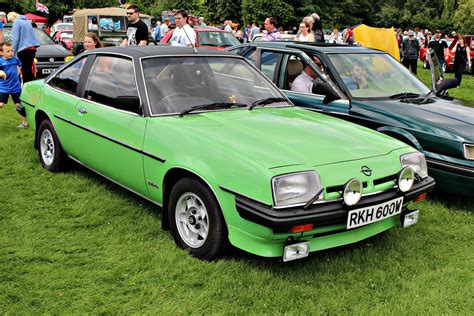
(76, 243)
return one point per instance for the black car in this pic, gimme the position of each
(49, 55)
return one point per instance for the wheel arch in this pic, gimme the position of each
(39, 117)
(170, 179)
(401, 135)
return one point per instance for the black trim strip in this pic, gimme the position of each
(32, 105)
(244, 196)
(111, 139)
(450, 167)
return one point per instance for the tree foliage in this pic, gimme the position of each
(446, 15)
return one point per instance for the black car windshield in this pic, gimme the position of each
(215, 38)
(179, 83)
(376, 75)
(41, 36)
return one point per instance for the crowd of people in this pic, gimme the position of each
(17, 58)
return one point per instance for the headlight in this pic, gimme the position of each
(68, 58)
(406, 179)
(295, 188)
(417, 162)
(352, 192)
(469, 151)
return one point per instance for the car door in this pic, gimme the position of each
(282, 66)
(61, 93)
(110, 139)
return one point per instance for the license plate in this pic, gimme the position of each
(46, 71)
(374, 213)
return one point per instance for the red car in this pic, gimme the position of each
(210, 38)
(64, 38)
(448, 57)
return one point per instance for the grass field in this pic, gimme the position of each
(76, 243)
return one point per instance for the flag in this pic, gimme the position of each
(41, 7)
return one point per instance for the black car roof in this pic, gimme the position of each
(325, 48)
(161, 50)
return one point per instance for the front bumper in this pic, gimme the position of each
(320, 215)
(451, 177)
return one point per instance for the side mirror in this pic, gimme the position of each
(446, 84)
(128, 103)
(325, 89)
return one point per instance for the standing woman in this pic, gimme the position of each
(24, 44)
(461, 57)
(305, 34)
(91, 41)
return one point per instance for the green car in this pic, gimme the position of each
(227, 156)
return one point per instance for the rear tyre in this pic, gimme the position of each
(50, 152)
(196, 221)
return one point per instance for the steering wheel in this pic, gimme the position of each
(175, 95)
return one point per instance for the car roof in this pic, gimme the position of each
(322, 47)
(162, 50)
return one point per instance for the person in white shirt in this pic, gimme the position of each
(183, 35)
(304, 81)
(228, 26)
(165, 27)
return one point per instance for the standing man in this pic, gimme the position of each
(411, 50)
(137, 31)
(439, 45)
(183, 35)
(201, 22)
(253, 31)
(24, 44)
(165, 27)
(228, 26)
(272, 33)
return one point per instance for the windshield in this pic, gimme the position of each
(223, 39)
(375, 75)
(41, 36)
(64, 27)
(179, 83)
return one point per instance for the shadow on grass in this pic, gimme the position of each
(452, 201)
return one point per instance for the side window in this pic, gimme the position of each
(294, 68)
(269, 62)
(68, 78)
(109, 78)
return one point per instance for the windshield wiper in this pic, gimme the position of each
(266, 101)
(404, 95)
(212, 106)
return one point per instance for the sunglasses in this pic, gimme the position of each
(130, 13)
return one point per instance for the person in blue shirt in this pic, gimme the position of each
(10, 84)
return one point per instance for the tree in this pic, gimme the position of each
(258, 10)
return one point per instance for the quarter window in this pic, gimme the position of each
(68, 78)
(109, 78)
(269, 61)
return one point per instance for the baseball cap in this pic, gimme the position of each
(437, 31)
(411, 33)
(201, 18)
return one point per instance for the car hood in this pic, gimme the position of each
(277, 137)
(445, 118)
(52, 51)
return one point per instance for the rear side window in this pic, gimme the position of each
(68, 78)
(109, 78)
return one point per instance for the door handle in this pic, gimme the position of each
(81, 110)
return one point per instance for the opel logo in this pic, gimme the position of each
(366, 170)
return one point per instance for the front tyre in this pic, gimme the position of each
(196, 221)
(51, 155)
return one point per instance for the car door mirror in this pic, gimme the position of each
(325, 89)
(128, 103)
(446, 84)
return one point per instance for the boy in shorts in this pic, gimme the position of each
(10, 84)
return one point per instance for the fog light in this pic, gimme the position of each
(352, 192)
(406, 179)
(411, 218)
(296, 251)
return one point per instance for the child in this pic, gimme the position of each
(10, 83)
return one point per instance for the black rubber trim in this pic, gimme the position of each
(111, 139)
(450, 167)
(323, 214)
(27, 103)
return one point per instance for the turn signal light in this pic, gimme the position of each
(301, 228)
(421, 197)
